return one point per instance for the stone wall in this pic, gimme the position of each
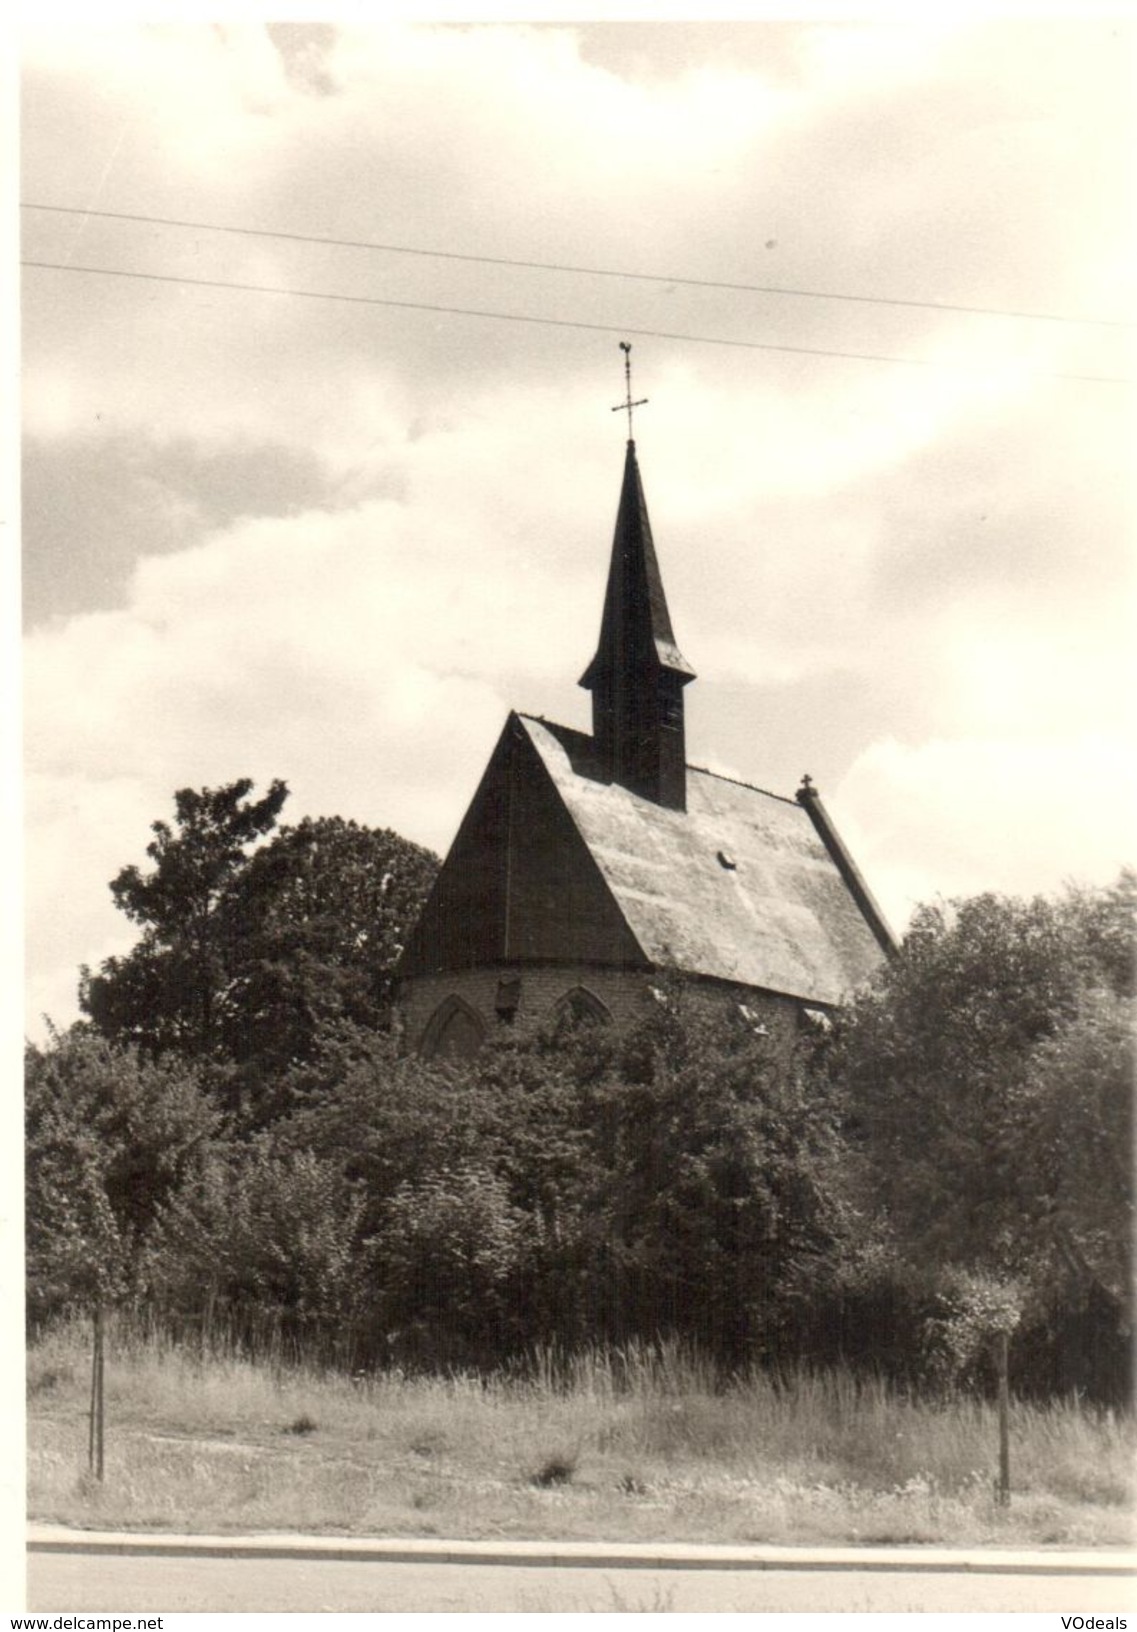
(474, 997)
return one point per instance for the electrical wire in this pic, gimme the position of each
(579, 271)
(555, 322)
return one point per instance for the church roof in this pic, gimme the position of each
(739, 887)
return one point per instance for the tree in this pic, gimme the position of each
(169, 992)
(321, 1223)
(935, 1061)
(728, 1216)
(987, 1078)
(570, 1186)
(249, 950)
(1078, 1089)
(386, 1117)
(450, 1258)
(543, 1093)
(268, 1239)
(315, 924)
(109, 1137)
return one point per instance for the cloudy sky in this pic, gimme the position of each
(875, 278)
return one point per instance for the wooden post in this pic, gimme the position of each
(94, 1391)
(95, 1434)
(1003, 1492)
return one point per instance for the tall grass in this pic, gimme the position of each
(629, 1443)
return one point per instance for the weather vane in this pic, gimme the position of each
(627, 405)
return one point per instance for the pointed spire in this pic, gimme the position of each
(635, 606)
(638, 673)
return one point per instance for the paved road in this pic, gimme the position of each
(111, 1583)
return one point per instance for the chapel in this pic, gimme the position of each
(587, 867)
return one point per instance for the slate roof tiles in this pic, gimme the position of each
(739, 887)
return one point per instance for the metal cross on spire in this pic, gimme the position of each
(627, 405)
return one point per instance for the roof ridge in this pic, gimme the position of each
(736, 781)
(703, 770)
(543, 719)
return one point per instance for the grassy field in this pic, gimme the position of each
(634, 1447)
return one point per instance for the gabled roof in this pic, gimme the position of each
(518, 885)
(739, 887)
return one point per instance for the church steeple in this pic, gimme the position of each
(638, 674)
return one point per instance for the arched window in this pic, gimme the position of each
(581, 1004)
(454, 1031)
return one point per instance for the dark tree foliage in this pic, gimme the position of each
(109, 1138)
(316, 922)
(572, 1187)
(988, 1083)
(1079, 1093)
(252, 945)
(953, 1159)
(354, 1223)
(169, 992)
(451, 1258)
(262, 1243)
(547, 1139)
(500, 1146)
(387, 1117)
(724, 1197)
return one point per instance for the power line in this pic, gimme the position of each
(554, 322)
(580, 271)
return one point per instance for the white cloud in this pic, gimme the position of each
(362, 656)
(1050, 676)
(941, 543)
(865, 59)
(79, 831)
(1017, 815)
